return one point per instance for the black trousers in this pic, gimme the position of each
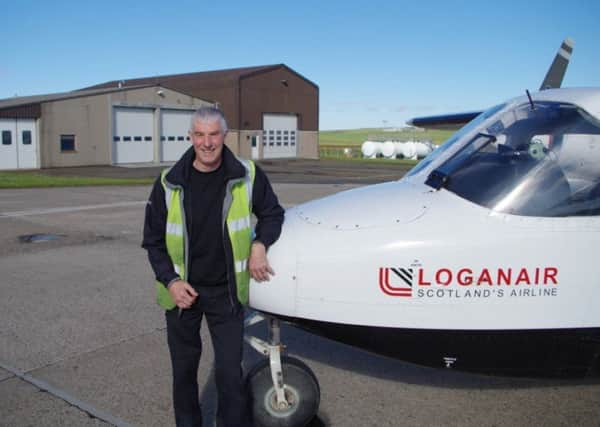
(226, 330)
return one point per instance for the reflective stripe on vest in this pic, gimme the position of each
(240, 229)
(239, 192)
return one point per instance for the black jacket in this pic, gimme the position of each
(265, 207)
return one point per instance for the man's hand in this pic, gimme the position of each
(182, 293)
(259, 267)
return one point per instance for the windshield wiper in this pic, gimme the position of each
(491, 138)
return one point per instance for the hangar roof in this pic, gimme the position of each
(29, 107)
(230, 75)
(22, 100)
(226, 87)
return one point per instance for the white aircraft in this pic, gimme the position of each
(479, 259)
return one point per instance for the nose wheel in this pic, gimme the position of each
(284, 392)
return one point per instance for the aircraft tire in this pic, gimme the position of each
(301, 390)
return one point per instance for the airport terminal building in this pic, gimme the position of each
(272, 112)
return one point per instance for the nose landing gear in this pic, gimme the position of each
(284, 392)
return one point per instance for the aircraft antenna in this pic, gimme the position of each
(530, 100)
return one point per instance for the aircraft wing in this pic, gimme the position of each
(445, 121)
(553, 79)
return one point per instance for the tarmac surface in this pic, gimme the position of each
(82, 342)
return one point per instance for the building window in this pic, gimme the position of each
(67, 143)
(26, 135)
(137, 138)
(126, 138)
(6, 137)
(147, 138)
(116, 138)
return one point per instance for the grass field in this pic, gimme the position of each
(355, 137)
(36, 179)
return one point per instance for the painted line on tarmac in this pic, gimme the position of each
(85, 407)
(68, 209)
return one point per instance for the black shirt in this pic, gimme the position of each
(207, 254)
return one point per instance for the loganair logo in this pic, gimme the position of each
(424, 283)
(401, 283)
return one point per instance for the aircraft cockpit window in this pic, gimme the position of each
(540, 161)
(423, 164)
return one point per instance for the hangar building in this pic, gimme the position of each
(272, 112)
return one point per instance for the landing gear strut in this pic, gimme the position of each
(284, 392)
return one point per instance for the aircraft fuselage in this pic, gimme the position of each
(482, 259)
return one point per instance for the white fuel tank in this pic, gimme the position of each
(371, 149)
(388, 149)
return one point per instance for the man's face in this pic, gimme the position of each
(207, 138)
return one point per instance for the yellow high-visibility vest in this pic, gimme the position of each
(237, 208)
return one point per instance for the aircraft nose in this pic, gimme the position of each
(278, 295)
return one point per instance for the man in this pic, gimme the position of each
(199, 240)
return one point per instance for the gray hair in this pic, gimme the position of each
(209, 114)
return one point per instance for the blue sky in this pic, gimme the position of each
(376, 63)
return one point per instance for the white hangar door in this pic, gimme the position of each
(18, 144)
(133, 135)
(174, 138)
(280, 135)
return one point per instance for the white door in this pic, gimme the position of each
(8, 144)
(133, 135)
(18, 144)
(174, 138)
(280, 135)
(255, 141)
(26, 144)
